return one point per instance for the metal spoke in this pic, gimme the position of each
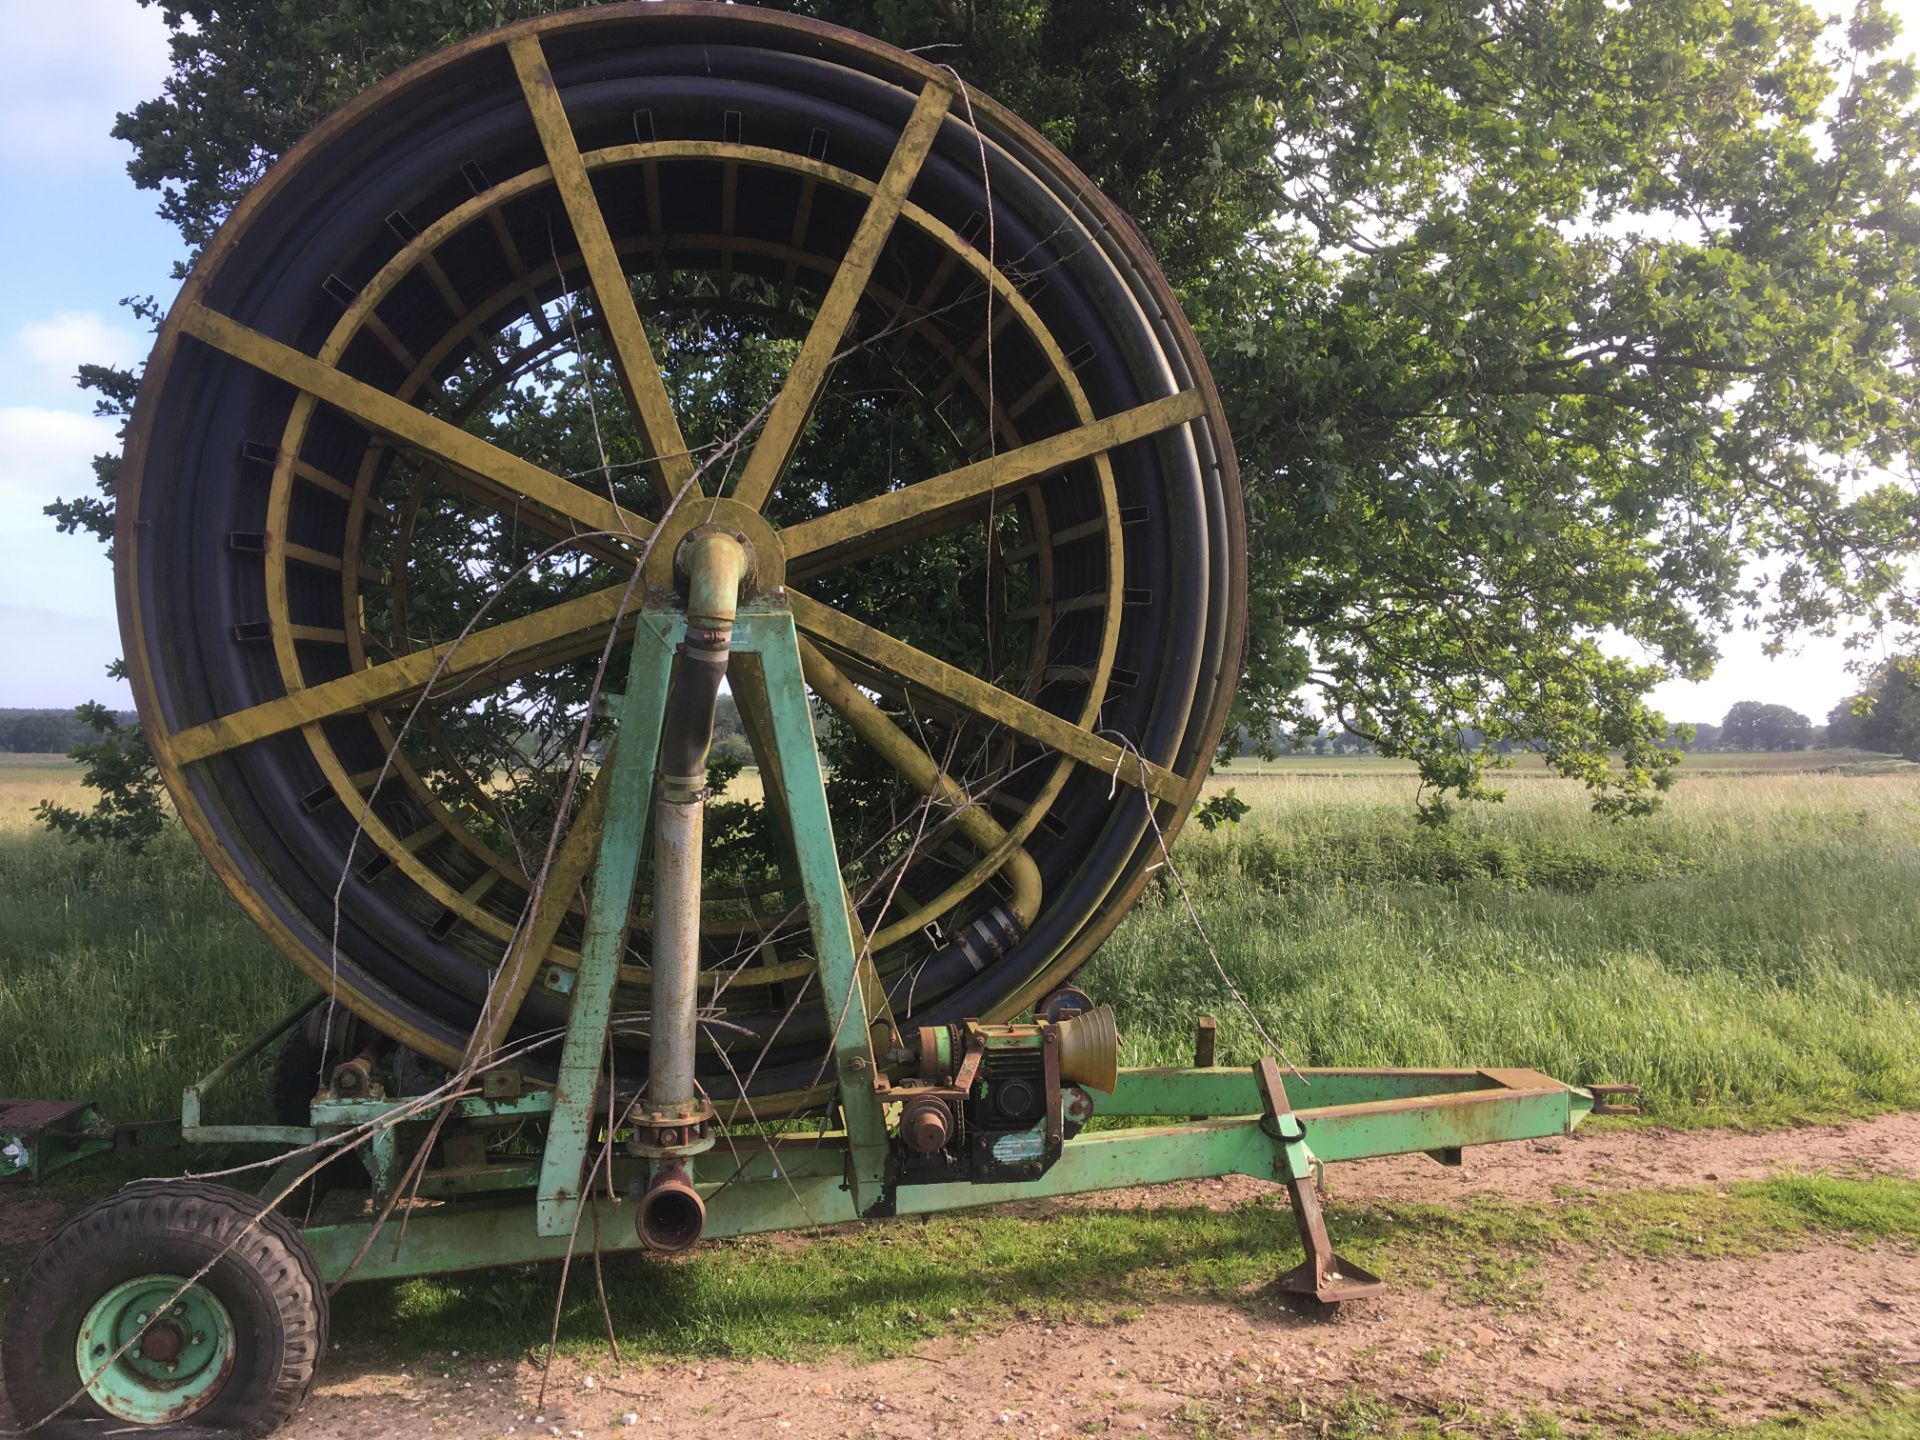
(984, 699)
(537, 932)
(933, 506)
(527, 643)
(802, 389)
(999, 850)
(633, 361)
(487, 464)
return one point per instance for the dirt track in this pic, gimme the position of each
(1674, 1343)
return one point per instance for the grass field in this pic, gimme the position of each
(1749, 954)
(122, 978)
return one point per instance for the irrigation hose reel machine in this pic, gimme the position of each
(569, 379)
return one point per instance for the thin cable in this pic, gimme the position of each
(1193, 913)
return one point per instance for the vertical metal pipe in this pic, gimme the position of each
(715, 563)
(677, 830)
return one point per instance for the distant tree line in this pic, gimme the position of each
(1884, 716)
(48, 732)
(1328, 740)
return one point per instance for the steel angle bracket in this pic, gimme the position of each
(1325, 1276)
(630, 763)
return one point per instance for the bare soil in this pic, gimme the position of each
(1614, 1340)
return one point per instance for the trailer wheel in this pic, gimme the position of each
(113, 1320)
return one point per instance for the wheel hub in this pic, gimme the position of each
(155, 1349)
(162, 1343)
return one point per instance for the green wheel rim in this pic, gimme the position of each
(175, 1367)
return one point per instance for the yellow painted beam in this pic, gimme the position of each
(797, 397)
(983, 698)
(640, 378)
(536, 934)
(868, 721)
(917, 510)
(381, 684)
(410, 425)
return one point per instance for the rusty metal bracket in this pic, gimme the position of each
(1325, 1276)
(1603, 1099)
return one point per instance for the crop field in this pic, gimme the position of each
(122, 978)
(1748, 954)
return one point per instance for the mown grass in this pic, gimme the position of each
(882, 1289)
(1882, 1412)
(1747, 955)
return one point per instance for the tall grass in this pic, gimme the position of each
(122, 978)
(1753, 951)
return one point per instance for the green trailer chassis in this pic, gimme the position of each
(1172, 1124)
(802, 1180)
(473, 1207)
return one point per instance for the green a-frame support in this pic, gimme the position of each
(1185, 1123)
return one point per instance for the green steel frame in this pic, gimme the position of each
(1213, 1120)
(802, 1180)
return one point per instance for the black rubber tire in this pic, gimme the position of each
(297, 1074)
(267, 1280)
(306, 1059)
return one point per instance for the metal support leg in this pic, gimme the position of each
(1325, 1276)
(636, 744)
(839, 970)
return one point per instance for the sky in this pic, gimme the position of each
(76, 236)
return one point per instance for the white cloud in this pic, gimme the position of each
(43, 454)
(57, 625)
(72, 67)
(48, 353)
